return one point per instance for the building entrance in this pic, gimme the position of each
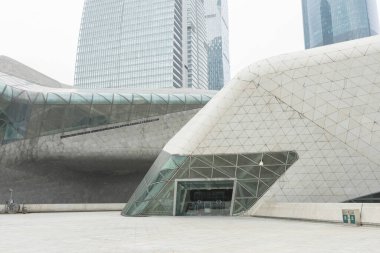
(204, 198)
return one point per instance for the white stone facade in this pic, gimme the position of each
(322, 103)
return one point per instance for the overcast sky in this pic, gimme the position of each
(43, 34)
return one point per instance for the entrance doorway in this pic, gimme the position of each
(204, 197)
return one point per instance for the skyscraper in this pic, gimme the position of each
(218, 43)
(332, 21)
(135, 44)
(197, 45)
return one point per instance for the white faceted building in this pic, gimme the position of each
(301, 127)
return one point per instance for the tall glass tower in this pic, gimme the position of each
(332, 21)
(218, 43)
(196, 45)
(134, 44)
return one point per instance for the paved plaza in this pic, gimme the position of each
(110, 232)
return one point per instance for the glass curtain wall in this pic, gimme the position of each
(27, 114)
(252, 174)
(332, 21)
(218, 43)
(131, 44)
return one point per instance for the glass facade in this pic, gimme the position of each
(142, 44)
(371, 198)
(131, 44)
(196, 45)
(226, 184)
(28, 110)
(332, 21)
(218, 43)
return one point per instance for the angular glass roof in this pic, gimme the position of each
(30, 110)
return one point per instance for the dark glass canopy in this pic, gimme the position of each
(28, 110)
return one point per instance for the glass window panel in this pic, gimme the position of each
(193, 99)
(65, 96)
(174, 100)
(178, 159)
(242, 192)
(267, 159)
(39, 99)
(248, 172)
(243, 160)
(277, 169)
(183, 173)
(218, 174)
(165, 175)
(99, 99)
(195, 173)
(199, 163)
(256, 158)
(87, 96)
(205, 99)
(118, 99)
(262, 189)
(128, 97)
(8, 93)
(180, 97)
(11, 134)
(281, 157)
(171, 164)
(207, 159)
(160, 99)
(78, 99)
(250, 185)
(206, 172)
(16, 92)
(107, 96)
(2, 87)
(268, 181)
(247, 202)
(192, 102)
(292, 157)
(238, 208)
(22, 97)
(220, 162)
(138, 208)
(266, 173)
(54, 99)
(140, 99)
(153, 189)
(229, 171)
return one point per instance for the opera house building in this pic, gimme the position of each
(297, 128)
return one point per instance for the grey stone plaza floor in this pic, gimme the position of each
(110, 232)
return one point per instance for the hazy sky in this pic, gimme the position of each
(43, 34)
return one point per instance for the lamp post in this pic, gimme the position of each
(11, 198)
